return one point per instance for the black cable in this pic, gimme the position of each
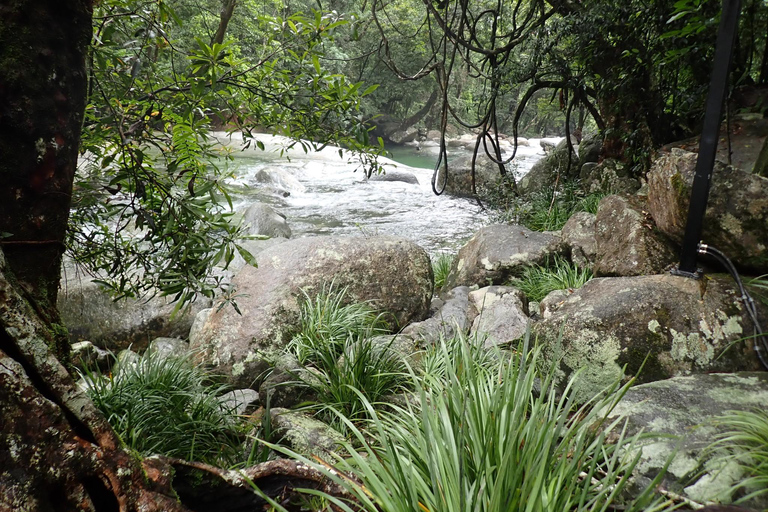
(761, 343)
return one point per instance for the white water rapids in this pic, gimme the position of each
(321, 194)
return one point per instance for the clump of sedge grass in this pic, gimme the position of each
(343, 359)
(441, 267)
(745, 443)
(489, 437)
(163, 405)
(539, 281)
(326, 322)
(546, 210)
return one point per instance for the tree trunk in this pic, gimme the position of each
(227, 8)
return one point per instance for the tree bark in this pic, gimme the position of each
(227, 8)
(43, 44)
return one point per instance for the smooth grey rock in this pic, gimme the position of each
(589, 150)
(305, 434)
(736, 219)
(627, 243)
(498, 252)
(459, 183)
(395, 175)
(685, 407)
(168, 347)
(262, 219)
(666, 325)
(392, 273)
(254, 247)
(239, 401)
(545, 172)
(125, 359)
(451, 319)
(90, 314)
(279, 180)
(579, 236)
(502, 315)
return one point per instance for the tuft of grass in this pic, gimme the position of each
(163, 405)
(745, 442)
(546, 211)
(538, 281)
(759, 288)
(327, 321)
(366, 372)
(490, 437)
(441, 267)
(342, 361)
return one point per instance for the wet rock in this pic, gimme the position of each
(498, 252)
(279, 180)
(664, 324)
(684, 408)
(452, 318)
(392, 273)
(262, 219)
(305, 434)
(626, 242)
(736, 220)
(394, 175)
(579, 236)
(502, 314)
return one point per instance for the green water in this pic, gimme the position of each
(410, 156)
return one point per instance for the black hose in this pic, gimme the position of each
(761, 344)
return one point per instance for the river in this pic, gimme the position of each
(322, 194)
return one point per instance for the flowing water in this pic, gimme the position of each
(322, 194)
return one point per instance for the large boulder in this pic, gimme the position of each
(736, 220)
(626, 242)
(501, 314)
(459, 183)
(579, 236)
(262, 219)
(90, 314)
(685, 432)
(658, 326)
(496, 253)
(392, 273)
(560, 162)
(278, 180)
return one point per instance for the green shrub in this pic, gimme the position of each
(342, 362)
(366, 372)
(326, 323)
(167, 406)
(538, 281)
(490, 437)
(441, 267)
(745, 442)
